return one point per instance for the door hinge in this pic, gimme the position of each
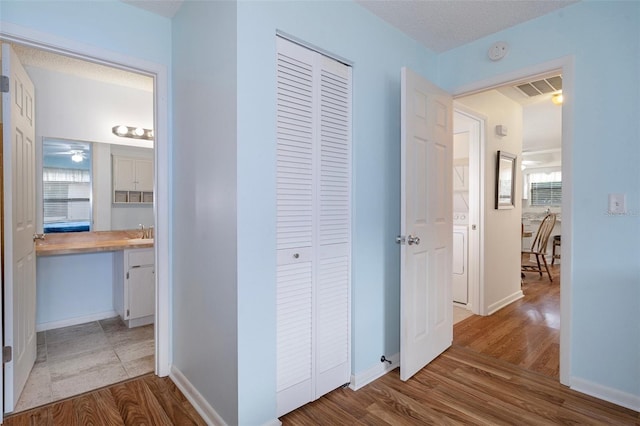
(127, 275)
(7, 354)
(4, 84)
(128, 313)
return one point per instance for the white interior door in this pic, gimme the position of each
(426, 223)
(19, 226)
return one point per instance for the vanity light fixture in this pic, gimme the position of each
(132, 132)
(557, 98)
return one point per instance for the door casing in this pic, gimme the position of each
(20, 35)
(566, 66)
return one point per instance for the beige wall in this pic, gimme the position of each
(502, 243)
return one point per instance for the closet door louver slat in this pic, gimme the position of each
(332, 362)
(313, 234)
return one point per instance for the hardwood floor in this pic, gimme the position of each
(461, 387)
(146, 400)
(501, 369)
(525, 333)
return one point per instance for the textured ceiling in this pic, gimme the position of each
(441, 25)
(80, 68)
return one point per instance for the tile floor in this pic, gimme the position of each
(79, 358)
(460, 313)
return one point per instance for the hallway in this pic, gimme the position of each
(525, 333)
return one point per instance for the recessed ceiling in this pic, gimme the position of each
(441, 25)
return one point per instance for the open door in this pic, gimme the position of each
(19, 280)
(426, 307)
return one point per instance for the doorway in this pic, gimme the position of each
(540, 154)
(159, 363)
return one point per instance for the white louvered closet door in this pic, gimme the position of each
(313, 225)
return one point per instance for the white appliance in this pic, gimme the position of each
(460, 258)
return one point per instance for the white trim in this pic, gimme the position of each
(274, 422)
(362, 379)
(206, 411)
(605, 393)
(75, 321)
(494, 307)
(476, 204)
(69, 47)
(313, 47)
(567, 66)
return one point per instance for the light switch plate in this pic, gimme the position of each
(617, 204)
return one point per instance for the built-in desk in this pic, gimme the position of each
(80, 277)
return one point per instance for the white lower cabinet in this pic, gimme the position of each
(135, 286)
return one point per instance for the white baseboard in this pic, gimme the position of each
(494, 307)
(75, 321)
(605, 393)
(362, 379)
(274, 422)
(201, 405)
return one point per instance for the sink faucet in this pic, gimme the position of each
(146, 233)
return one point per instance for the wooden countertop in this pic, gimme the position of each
(90, 242)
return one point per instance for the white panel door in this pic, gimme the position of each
(19, 215)
(426, 222)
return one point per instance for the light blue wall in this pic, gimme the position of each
(110, 24)
(73, 286)
(377, 52)
(604, 40)
(204, 296)
(137, 34)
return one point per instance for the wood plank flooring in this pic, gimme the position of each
(501, 370)
(525, 333)
(146, 400)
(461, 387)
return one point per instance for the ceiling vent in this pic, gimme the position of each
(542, 86)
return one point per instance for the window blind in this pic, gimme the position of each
(66, 195)
(546, 193)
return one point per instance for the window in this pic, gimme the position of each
(66, 187)
(546, 189)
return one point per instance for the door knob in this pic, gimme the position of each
(413, 240)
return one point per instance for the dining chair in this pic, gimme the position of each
(539, 247)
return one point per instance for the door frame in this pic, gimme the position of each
(565, 65)
(475, 258)
(20, 35)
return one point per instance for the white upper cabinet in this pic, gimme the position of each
(132, 180)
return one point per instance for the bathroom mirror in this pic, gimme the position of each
(505, 180)
(76, 187)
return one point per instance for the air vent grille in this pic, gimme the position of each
(542, 86)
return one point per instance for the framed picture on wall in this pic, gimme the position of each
(505, 180)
